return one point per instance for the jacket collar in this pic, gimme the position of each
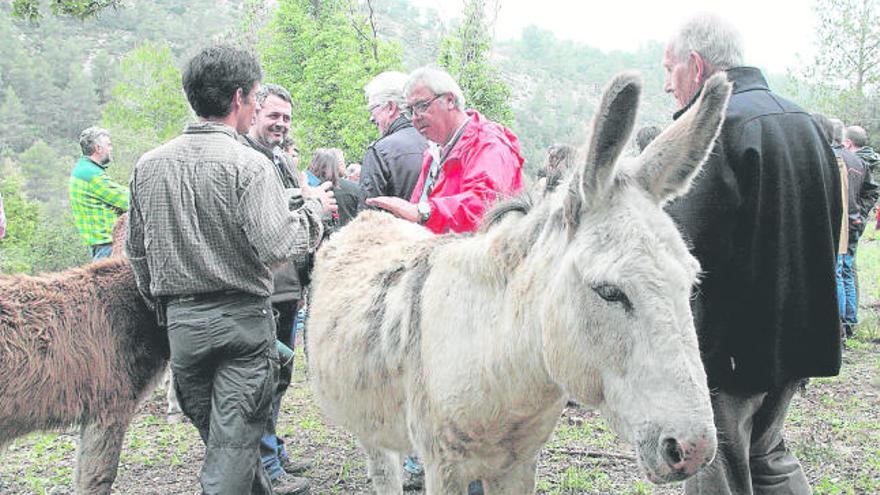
(743, 78)
(93, 162)
(401, 122)
(205, 127)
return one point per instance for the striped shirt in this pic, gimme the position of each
(208, 214)
(95, 201)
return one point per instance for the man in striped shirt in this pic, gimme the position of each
(96, 201)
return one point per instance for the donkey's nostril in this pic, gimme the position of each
(672, 451)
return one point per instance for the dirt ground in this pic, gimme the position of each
(834, 428)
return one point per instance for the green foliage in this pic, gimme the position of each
(324, 53)
(37, 240)
(559, 83)
(843, 79)
(147, 106)
(45, 173)
(15, 135)
(32, 10)
(465, 55)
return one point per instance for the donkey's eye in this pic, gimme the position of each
(612, 293)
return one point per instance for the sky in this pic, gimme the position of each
(778, 34)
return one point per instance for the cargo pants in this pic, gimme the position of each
(225, 368)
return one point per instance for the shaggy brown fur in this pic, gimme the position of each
(77, 347)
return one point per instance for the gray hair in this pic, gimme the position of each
(438, 81)
(90, 137)
(715, 39)
(857, 135)
(825, 126)
(387, 86)
(274, 90)
(836, 131)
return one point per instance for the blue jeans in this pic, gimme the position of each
(99, 251)
(847, 295)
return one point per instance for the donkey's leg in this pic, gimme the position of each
(518, 479)
(385, 470)
(98, 455)
(173, 413)
(443, 479)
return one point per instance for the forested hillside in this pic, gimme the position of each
(121, 70)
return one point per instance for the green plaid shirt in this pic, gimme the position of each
(96, 201)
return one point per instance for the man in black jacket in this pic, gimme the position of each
(856, 140)
(862, 193)
(763, 219)
(392, 164)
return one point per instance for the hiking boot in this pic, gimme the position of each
(287, 484)
(296, 466)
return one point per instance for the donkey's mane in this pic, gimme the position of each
(521, 203)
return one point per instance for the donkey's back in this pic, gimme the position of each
(361, 328)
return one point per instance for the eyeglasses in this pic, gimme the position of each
(420, 107)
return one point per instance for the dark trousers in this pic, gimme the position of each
(225, 368)
(752, 457)
(272, 452)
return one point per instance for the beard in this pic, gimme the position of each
(105, 159)
(271, 141)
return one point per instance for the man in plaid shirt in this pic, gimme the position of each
(208, 222)
(96, 201)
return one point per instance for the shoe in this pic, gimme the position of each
(475, 488)
(296, 466)
(413, 480)
(287, 484)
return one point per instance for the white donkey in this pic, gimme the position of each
(464, 349)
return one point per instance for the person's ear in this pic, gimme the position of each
(698, 67)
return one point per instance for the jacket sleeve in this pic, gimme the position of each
(373, 180)
(868, 196)
(488, 172)
(110, 193)
(276, 233)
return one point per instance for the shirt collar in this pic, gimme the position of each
(204, 127)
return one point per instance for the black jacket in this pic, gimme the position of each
(862, 191)
(349, 198)
(392, 164)
(286, 279)
(763, 219)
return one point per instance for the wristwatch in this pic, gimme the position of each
(424, 211)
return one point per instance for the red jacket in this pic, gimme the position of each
(485, 164)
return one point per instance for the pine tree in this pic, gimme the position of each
(465, 55)
(324, 53)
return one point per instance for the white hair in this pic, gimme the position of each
(387, 86)
(715, 39)
(438, 81)
(836, 131)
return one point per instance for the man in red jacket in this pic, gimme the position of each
(476, 161)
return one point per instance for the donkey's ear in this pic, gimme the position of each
(668, 165)
(611, 128)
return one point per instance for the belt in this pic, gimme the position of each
(204, 296)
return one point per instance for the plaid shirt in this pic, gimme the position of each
(208, 214)
(96, 201)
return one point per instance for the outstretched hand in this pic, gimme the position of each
(400, 207)
(323, 193)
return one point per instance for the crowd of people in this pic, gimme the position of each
(223, 229)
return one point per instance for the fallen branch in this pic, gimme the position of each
(592, 453)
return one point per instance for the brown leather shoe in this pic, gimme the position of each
(296, 466)
(287, 484)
